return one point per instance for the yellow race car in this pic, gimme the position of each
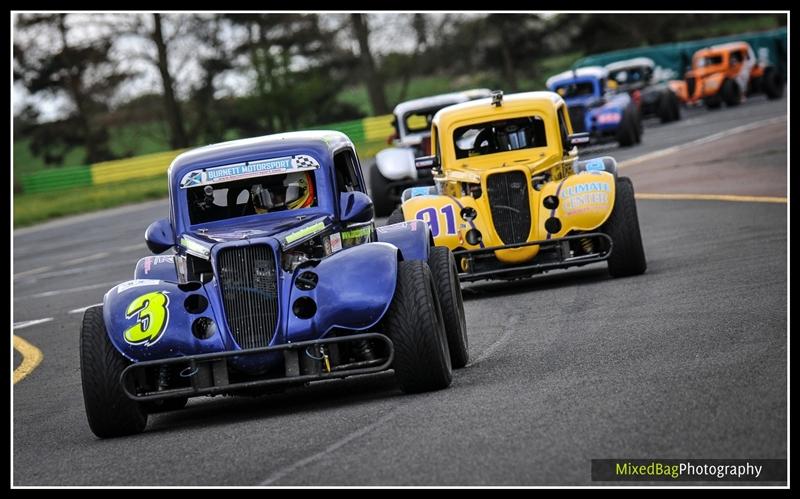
(511, 198)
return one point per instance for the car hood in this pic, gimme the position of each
(275, 227)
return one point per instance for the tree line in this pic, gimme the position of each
(253, 74)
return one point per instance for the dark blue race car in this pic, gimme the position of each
(279, 277)
(596, 107)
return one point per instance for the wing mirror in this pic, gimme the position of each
(426, 162)
(355, 207)
(577, 139)
(159, 236)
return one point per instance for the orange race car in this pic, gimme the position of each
(726, 73)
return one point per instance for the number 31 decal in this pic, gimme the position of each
(431, 216)
(151, 321)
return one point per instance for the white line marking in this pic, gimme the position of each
(33, 271)
(83, 309)
(24, 324)
(700, 141)
(69, 290)
(282, 472)
(132, 247)
(87, 258)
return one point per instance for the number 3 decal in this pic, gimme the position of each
(152, 318)
(431, 216)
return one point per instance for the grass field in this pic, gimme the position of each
(30, 209)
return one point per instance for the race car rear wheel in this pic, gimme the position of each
(109, 411)
(445, 273)
(772, 83)
(379, 191)
(626, 133)
(416, 327)
(669, 108)
(396, 217)
(731, 93)
(627, 255)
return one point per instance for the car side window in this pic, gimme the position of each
(344, 164)
(437, 147)
(562, 125)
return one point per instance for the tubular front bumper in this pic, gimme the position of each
(208, 373)
(559, 257)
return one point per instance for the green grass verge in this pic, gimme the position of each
(30, 209)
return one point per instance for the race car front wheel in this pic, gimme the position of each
(627, 255)
(396, 217)
(109, 411)
(445, 273)
(415, 325)
(731, 93)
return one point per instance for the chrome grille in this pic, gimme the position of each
(511, 212)
(249, 293)
(690, 83)
(576, 117)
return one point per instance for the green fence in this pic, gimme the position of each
(674, 59)
(368, 134)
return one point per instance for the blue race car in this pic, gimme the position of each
(596, 107)
(279, 277)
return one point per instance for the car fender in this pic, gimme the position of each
(585, 201)
(156, 267)
(413, 238)
(604, 163)
(354, 290)
(148, 319)
(396, 163)
(442, 214)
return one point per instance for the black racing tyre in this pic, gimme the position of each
(109, 411)
(731, 93)
(626, 133)
(379, 191)
(772, 84)
(445, 274)
(165, 405)
(627, 255)
(639, 126)
(396, 216)
(713, 101)
(676, 106)
(415, 325)
(664, 108)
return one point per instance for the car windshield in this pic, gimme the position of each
(710, 60)
(420, 121)
(567, 90)
(499, 136)
(250, 196)
(629, 76)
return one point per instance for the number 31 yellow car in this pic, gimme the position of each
(511, 198)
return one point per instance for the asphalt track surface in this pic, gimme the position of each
(686, 361)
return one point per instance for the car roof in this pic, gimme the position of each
(629, 63)
(591, 71)
(316, 140)
(724, 46)
(511, 101)
(441, 100)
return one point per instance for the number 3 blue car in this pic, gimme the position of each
(278, 276)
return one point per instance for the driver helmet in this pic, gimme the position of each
(512, 137)
(283, 192)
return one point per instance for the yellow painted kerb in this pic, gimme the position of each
(712, 197)
(31, 357)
